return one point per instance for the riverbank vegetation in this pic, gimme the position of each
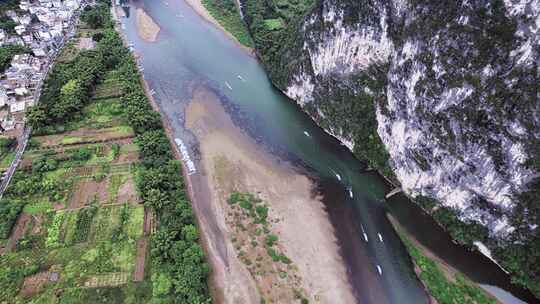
(520, 259)
(82, 234)
(228, 15)
(444, 285)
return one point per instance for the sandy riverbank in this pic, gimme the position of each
(147, 28)
(199, 8)
(232, 162)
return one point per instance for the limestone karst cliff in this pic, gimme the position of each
(441, 96)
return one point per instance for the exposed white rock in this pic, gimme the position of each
(349, 49)
(485, 251)
(301, 89)
(434, 147)
(527, 13)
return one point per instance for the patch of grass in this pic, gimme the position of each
(105, 221)
(123, 255)
(227, 14)
(273, 24)
(134, 227)
(122, 130)
(108, 89)
(115, 181)
(37, 208)
(69, 227)
(446, 292)
(128, 148)
(68, 140)
(271, 239)
(6, 160)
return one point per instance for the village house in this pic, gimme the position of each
(20, 29)
(41, 25)
(3, 97)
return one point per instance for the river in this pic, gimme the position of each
(189, 49)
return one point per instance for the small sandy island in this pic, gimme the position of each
(232, 162)
(147, 28)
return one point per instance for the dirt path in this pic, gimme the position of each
(142, 247)
(86, 191)
(232, 162)
(147, 28)
(148, 222)
(138, 274)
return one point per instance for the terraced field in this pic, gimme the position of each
(80, 234)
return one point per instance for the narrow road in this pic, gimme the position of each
(6, 178)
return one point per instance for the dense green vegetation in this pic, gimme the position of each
(227, 14)
(9, 211)
(457, 290)
(7, 145)
(274, 28)
(6, 54)
(6, 23)
(9, 5)
(96, 17)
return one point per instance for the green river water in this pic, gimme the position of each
(189, 50)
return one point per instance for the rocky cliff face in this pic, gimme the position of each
(455, 89)
(441, 96)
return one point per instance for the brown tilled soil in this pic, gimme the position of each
(142, 245)
(38, 222)
(128, 157)
(128, 193)
(18, 230)
(86, 190)
(149, 222)
(33, 284)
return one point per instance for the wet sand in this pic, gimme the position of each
(232, 162)
(147, 28)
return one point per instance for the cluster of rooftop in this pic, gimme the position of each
(42, 26)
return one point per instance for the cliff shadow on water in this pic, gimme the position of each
(368, 286)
